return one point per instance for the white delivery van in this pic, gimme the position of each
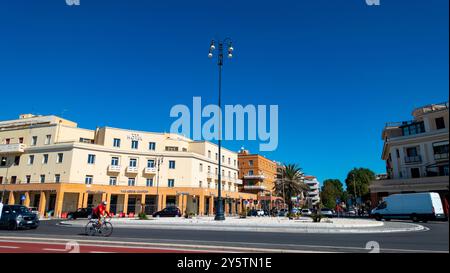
(422, 206)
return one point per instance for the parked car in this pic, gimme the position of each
(260, 212)
(168, 212)
(415, 206)
(80, 213)
(306, 212)
(17, 216)
(282, 212)
(326, 212)
(351, 212)
(34, 210)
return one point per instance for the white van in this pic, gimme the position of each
(415, 206)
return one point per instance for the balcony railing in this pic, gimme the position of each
(254, 187)
(12, 148)
(150, 170)
(132, 169)
(441, 156)
(114, 168)
(413, 159)
(254, 176)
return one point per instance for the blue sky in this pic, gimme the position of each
(338, 69)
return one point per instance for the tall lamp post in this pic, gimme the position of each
(159, 161)
(220, 45)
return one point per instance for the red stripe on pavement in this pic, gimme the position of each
(20, 247)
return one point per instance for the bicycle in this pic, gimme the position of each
(105, 228)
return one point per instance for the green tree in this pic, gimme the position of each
(330, 191)
(291, 184)
(359, 179)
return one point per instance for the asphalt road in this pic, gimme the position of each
(436, 239)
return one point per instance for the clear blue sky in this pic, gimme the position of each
(338, 69)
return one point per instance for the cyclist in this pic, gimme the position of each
(99, 212)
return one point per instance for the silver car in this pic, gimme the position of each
(326, 212)
(306, 212)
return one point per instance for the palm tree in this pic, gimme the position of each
(291, 184)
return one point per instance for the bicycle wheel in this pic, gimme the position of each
(90, 228)
(106, 229)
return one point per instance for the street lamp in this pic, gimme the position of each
(159, 161)
(212, 48)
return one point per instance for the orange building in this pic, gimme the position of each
(258, 175)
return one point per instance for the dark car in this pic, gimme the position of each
(80, 213)
(168, 212)
(17, 216)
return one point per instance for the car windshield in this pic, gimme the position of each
(19, 209)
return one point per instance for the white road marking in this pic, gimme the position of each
(55, 249)
(11, 247)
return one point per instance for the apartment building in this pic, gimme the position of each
(258, 175)
(50, 163)
(313, 195)
(416, 154)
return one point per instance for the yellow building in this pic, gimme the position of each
(49, 163)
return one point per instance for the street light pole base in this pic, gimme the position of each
(219, 217)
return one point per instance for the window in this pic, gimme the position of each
(411, 151)
(20, 139)
(1, 180)
(235, 162)
(209, 154)
(171, 183)
(229, 161)
(44, 158)
(413, 129)
(16, 161)
(217, 156)
(88, 180)
(152, 146)
(171, 164)
(209, 169)
(250, 162)
(149, 182)
(223, 158)
(7, 141)
(3, 161)
(398, 153)
(59, 158)
(28, 179)
(13, 179)
(133, 162)
(200, 167)
(131, 181)
(250, 172)
(134, 144)
(200, 184)
(86, 140)
(116, 142)
(113, 181)
(440, 123)
(415, 172)
(114, 161)
(30, 159)
(48, 138)
(91, 159)
(440, 150)
(171, 149)
(42, 178)
(57, 178)
(150, 163)
(34, 141)
(209, 185)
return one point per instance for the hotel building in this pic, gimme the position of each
(258, 175)
(416, 154)
(49, 163)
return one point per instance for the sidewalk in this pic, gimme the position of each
(262, 224)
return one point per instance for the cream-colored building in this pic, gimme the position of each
(50, 163)
(416, 154)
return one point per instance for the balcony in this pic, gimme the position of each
(238, 181)
(132, 169)
(441, 156)
(212, 175)
(254, 187)
(114, 169)
(254, 177)
(150, 170)
(413, 159)
(17, 148)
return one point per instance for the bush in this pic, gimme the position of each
(142, 216)
(188, 215)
